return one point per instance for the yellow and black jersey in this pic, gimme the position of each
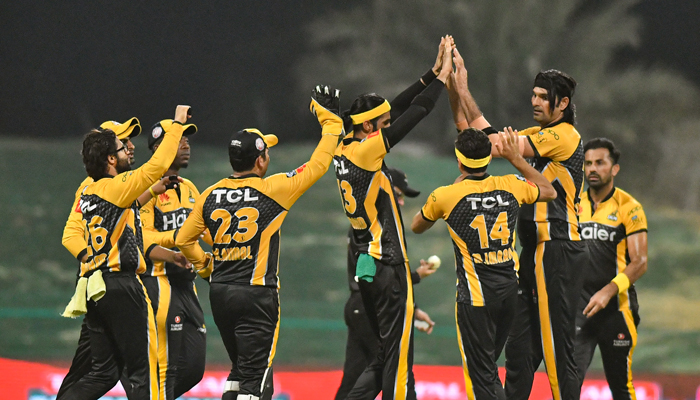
(161, 217)
(481, 213)
(111, 218)
(74, 231)
(244, 216)
(605, 231)
(559, 157)
(368, 197)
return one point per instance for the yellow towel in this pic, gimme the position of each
(92, 288)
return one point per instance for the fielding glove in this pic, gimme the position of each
(325, 105)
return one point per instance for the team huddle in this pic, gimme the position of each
(137, 233)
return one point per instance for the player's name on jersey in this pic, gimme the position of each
(493, 257)
(487, 202)
(233, 254)
(233, 195)
(599, 232)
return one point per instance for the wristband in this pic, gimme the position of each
(622, 281)
(150, 189)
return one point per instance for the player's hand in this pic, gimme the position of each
(508, 144)
(168, 182)
(180, 260)
(182, 113)
(600, 300)
(424, 269)
(325, 105)
(460, 75)
(421, 315)
(446, 67)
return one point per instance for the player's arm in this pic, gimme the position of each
(635, 223)
(507, 146)
(188, 237)
(325, 105)
(206, 235)
(473, 114)
(422, 104)
(168, 182)
(458, 115)
(159, 253)
(123, 189)
(428, 214)
(74, 232)
(150, 233)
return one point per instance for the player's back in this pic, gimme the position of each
(481, 214)
(244, 216)
(559, 157)
(368, 197)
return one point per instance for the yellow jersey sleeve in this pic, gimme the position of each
(74, 232)
(432, 209)
(207, 235)
(525, 192)
(370, 152)
(188, 236)
(164, 239)
(557, 143)
(286, 188)
(634, 218)
(126, 187)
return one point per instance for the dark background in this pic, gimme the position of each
(68, 66)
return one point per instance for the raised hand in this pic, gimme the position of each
(446, 66)
(325, 105)
(508, 144)
(182, 113)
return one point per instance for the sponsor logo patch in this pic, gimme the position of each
(259, 144)
(175, 327)
(157, 131)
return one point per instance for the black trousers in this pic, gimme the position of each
(248, 319)
(545, 324)
(361, 347)
(482, 332)
(615, 332)
(181, 332)
(389, 304)
(122, 332)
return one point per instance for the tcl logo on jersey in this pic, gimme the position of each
(596, 232)
(86, 206)
(234, 195)
(487, 202)
(340, 167)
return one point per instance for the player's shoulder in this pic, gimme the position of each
(626, 201)
(221, 184)
(564, 130)
(85, 183)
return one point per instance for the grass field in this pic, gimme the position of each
(37, 274)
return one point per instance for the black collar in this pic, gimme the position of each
(608, 197)
(250, 175)
(350, 138)
(477, 178)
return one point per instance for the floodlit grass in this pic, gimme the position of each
(37, 273)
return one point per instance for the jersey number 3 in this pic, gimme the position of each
(499, 231)
(246, 229)
(349, 202)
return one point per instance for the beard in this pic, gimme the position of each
(123, 165)
(600, 183)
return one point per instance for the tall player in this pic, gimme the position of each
(553, 255)
(480, 212)
(614, 227)
(383, 272)
(179, 317)
(245, 212)
(74, 241)
(122, 327)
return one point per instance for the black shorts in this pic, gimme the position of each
(248, 318)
